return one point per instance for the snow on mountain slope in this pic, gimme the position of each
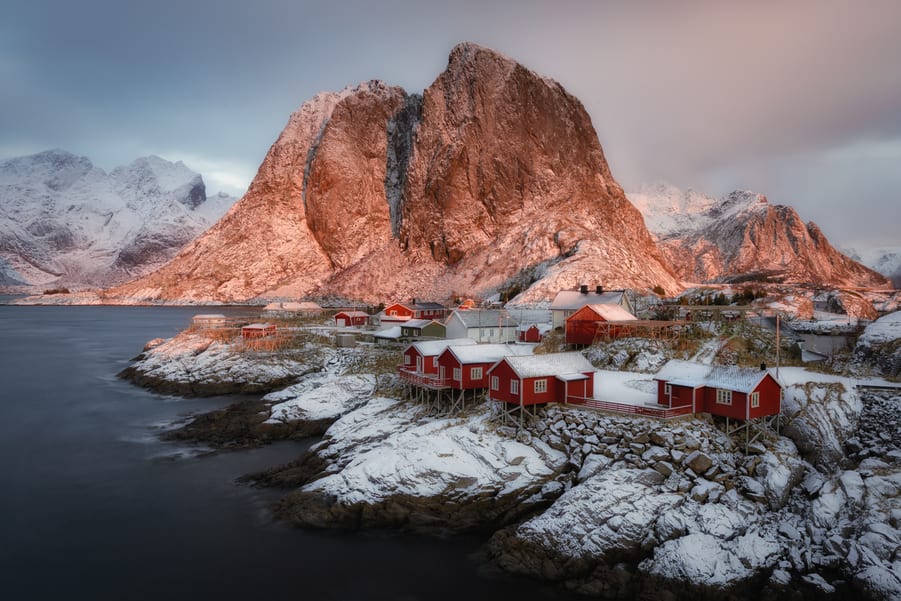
(885, 260)
(742, 237)
(66, 222)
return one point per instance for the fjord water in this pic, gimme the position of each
(95, 506)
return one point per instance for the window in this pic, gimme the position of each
(755, 399)
(541, 385)
(514, 386)
(457, 373)
(392, 312)
(667, 389)
(491, 333)
(723, 397)
(407, 360)
(495, 383)
(475, 373)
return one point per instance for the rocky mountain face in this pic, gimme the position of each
(64, 222)
(493, 177)
(742, 237)
(884, 260)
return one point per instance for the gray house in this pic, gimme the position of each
(482, 326)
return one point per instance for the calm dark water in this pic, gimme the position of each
(94, 506)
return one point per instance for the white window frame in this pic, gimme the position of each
(723, 396)
(458, 375)
(495, 382)
(514, 386)
(408, 360)
(475, 373)
(668, 389)
(540, 386)
(755, 400)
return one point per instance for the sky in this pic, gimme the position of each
(797, 100)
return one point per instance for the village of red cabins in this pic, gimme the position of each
(462, 355)
(447, 373)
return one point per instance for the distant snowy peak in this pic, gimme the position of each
(742, 237)
(885, 260)
(65, 222)
(669, 212)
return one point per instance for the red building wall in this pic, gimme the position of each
(429, 363)
(581, 327)
(770, 398)
(449, 363)
(530, 335)
(401, 313)
(505, 374)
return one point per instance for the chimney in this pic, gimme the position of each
(763, 367)
(412, 301)
(599, 289)
(583, 288)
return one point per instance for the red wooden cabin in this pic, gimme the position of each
(534, 332)
(344, 319)
(466, 367)
(258, 330)
(421, 357)
(582, 326)
(538, 379)
(415, 310)
(727, 391)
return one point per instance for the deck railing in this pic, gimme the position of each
(658, 412)
(420, 379)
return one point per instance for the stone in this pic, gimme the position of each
(698, 462)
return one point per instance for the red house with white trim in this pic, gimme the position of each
(538, 379)
(422, 357)
(727, 391)
(400, 312)
(466, 367)
(346, 319)
(582, 326)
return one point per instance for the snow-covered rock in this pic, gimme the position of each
(878, 349)
(193, 364)
(407, 470)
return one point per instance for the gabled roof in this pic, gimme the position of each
(552, 364)
(258, 326)
(485, 318)
(487, 353)
(727, 377)
(429, 348)
(353, 313)
(392, 332)
(420, 323)
(608, 312)
(420, 306)
(570, 300)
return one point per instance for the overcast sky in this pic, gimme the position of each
(800, 101)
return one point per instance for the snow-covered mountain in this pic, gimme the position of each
(65, 222)
(742, 237)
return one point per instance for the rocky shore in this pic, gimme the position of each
(606, 505)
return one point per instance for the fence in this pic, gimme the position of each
(658, 412)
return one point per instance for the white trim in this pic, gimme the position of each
(723, 396)
(540, 386)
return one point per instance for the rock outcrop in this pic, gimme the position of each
(742, 237)
(493, 176)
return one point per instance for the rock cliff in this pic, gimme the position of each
(493, 176)
(742, 237)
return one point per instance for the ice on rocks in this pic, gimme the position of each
(320, 398)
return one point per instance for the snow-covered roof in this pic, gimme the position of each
(485, 318)
(258, 326)
(571, 300)
(421, 306)
(203, 316)
(353, 313)
(487, 353)
(393, 332)
(431, 348)
(727, 377)
(292, 306)
(419, 323)
(552, 364)
(611, 312)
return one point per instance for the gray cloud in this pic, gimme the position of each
(788, 99)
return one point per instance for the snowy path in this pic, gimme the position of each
(708, 351)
